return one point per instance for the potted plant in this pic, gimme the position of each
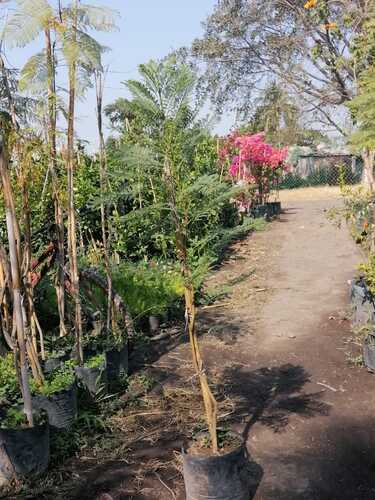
(93, 374)
(26, 449)
(219, 476)
(256, 163)
(54, 361)
(276, 207)
(114, 347)
(150, 288)
(369, 351)
(57, 396)
(117, 361)
(212, 462)
(59, 352)
(362, 293)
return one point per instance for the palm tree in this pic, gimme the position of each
(106, 230)
(163, 93)
(83, 56)
(277, 115)
(81, 52)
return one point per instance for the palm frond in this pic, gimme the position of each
(82, 49)
(34, 74)
(97, 17)
(27, 22)
(144, 96)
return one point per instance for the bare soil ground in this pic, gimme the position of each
(277, 345)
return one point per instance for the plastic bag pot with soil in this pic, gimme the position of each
(117, 362)
(24, 452)
(54, 363)
(363, 311)
(93, 379)
(61, 407)
(270, 209)
(260, 211)
(276, 207)
(369, 352)
(217, 477)
(154, 323)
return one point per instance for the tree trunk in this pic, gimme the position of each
(106, 232)
(209, 400)
(368, 181)
(8, 94)
(72, 224)
(59, 216)
(16, 279)
(28, 310)
(368, 169)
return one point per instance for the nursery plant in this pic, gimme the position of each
(254, 162)
(26, 446)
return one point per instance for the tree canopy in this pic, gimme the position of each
(305, 45)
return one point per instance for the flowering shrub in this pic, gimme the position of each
(255, 163)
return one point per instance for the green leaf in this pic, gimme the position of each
(27, 22)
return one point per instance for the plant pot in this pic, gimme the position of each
(217, 477)
(369, 352)
(261, 211)
(363, 311)
(117, 362)
(55, 362)
(24, 452)
(61, 407)
(276, 207)
(154, 323)
(270, 209)
(94, 379)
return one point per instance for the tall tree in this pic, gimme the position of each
(161, 94)
(104, 186)
(362, 106)
(71, 55)
(83, 55)
(305, 45)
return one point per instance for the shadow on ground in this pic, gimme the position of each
(340, 466)
(271, 395)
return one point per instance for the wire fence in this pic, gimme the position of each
(323, 170)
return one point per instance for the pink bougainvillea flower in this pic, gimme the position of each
(254, 161)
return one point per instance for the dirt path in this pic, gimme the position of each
(326, 449)
(309, 413)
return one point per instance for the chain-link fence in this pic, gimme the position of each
(323, 169)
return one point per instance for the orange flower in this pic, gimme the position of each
(310, 4)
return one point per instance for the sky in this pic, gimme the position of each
(147, 29)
